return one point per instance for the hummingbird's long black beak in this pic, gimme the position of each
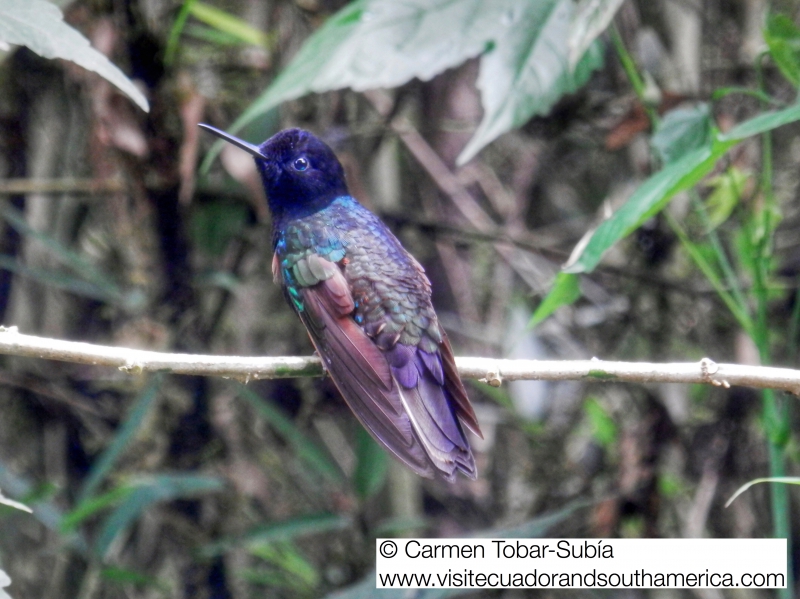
(239, 143)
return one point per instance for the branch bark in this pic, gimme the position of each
(488, 370)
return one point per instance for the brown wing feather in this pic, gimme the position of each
(360, 370)
(456, 387)
(401, 419)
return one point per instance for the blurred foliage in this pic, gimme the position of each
(783, 38)
(39, 25)
(517, 138)
(382, 43)
(681, 131)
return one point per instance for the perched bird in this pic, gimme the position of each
(366, 303)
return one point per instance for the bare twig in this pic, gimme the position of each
(429, 160)
(488, 370)
(57, 186)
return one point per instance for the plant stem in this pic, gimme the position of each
(722, 256)
(775, 411)
(740, 313)
(175, 32)
(631, 70)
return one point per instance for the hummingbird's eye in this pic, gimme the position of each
(300, 164)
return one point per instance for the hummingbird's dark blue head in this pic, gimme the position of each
(301, 174)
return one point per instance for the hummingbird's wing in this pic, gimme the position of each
(398, 393)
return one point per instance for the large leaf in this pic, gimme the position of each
(590, 19)
(4, 582)
(384, 43)
(783, 39)
(681, 131)
(766, 121)
(40, 26)
(528, 70)
(655, 193)
(647, 201)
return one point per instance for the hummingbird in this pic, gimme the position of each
(366, 304)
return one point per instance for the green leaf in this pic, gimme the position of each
(40, 26)
(40, 497)
(372, 44)
(766, 121)
(290, 568)
(228, 23)
(284, 530)
(746, 250)
(565, 291)
(299, 527)
(671, 485)
(371, 465)
(783, 39)
(647, 201)
(527, 71)
(304, 447)
(727, 191)
(92, 283)
(146, 492)
(126, 576)
(307, 71)
(126, 433)
(95, 504)
(681, 131)
(786, 480)
(71, 284)
(705, 256)
(590, 19)
(385, 43)
(604, 429)
(204, 33)
(175, 32)
(655, 193)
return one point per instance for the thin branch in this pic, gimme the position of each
(488, 370)
(57, 186)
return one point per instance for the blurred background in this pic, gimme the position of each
(151, 486)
